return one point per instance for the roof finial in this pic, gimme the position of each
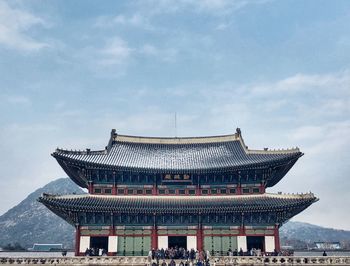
(113, 132)
(238, 131)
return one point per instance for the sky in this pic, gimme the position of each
(70, 71)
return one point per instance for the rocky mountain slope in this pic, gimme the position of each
(313, 233)
(302, 235)
(31, 222)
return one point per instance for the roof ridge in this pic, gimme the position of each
(265, 150)
(175, 140)
(81, 152)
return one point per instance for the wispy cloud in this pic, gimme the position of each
(133, 20)
(146, 10)
(212, 7)
(115, 52)
(18, 100)
(302, 82)
(167, 55)
(15, 25)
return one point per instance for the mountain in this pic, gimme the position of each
(313, 233)
(301, 235)
(31, 222)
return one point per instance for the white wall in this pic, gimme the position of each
(191, 242)
(162, 242)
(84, 243)
(242, 243)
(112, 243)
(269, 243)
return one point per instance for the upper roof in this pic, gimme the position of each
(178, 155)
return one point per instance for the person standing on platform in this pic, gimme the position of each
(207, 255)
(192, 255)
(149, 257)
(197, 255)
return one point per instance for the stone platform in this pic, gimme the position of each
(142, 261)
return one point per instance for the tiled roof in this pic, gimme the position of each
(178, 155)
(178, 204)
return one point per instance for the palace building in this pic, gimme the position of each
(206, 193)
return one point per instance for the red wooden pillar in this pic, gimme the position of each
(112, 230)
(154, 238)
(114, 190)
(277, 238)
(154, 190)
(91, 188)
(199, 238)
(241, 230)
(77, 240)
(198, 187)
(262, 188)
(239, 189)
(154, 234)
(199, 233)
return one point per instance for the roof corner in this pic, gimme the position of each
(112, 138)
(238, 132)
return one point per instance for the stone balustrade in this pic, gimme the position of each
(142, 261)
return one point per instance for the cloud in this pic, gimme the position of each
(115, 52)
(146, 10)
(18, 99)
(167, 55)
(333, 135)
(339, 81)
(115, 55)
(133, 20)
(211, 7)
(15, 25)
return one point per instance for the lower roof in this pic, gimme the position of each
(178, 204)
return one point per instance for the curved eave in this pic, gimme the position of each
(66, 215)
(183, 170)
(285, 169)
(179, 204)
(73, 175)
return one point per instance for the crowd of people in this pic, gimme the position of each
(190, 257)
(194, 257)
(95, 252)
(251, 252)
(178, 253)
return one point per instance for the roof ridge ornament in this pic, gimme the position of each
(111, 139)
